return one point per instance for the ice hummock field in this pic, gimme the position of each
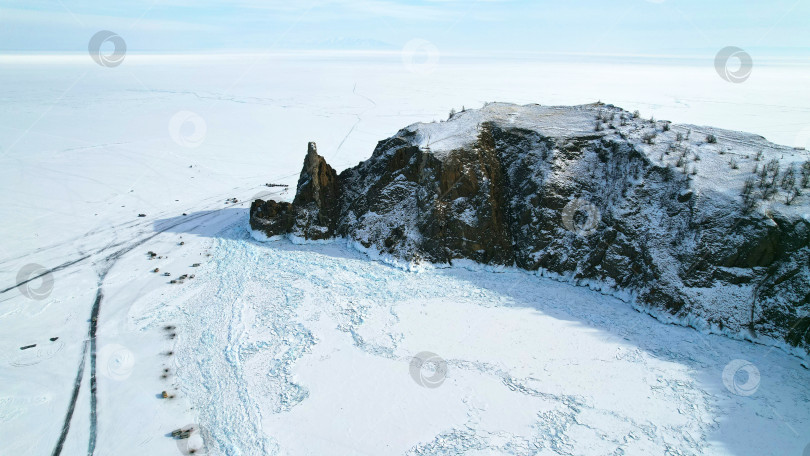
(296, 349)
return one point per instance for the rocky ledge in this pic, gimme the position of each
(697, 225)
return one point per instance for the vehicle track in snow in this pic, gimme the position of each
(135, 233)
(241, 264)
(103, 263)
(72, 406)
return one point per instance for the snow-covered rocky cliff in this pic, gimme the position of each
(709, 226)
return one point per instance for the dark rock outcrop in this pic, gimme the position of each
(313, 215)
(271, 217)
(590, 193)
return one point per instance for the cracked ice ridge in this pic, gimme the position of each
(302, 349)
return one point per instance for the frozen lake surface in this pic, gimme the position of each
(292, 349)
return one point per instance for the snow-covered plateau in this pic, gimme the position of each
(279, 346)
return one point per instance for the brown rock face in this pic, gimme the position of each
(316, 201)
(271, 218)
(411, 204)
(539, 188)
(313, 213)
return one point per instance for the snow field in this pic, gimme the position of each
(305, 349)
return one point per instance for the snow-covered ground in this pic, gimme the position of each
(84, 145)
(293, 349)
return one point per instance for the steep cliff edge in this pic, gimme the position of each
(710, 226)
(313, 213)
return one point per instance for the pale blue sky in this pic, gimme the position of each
(650, 27)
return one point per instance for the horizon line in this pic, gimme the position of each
(10, 56)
